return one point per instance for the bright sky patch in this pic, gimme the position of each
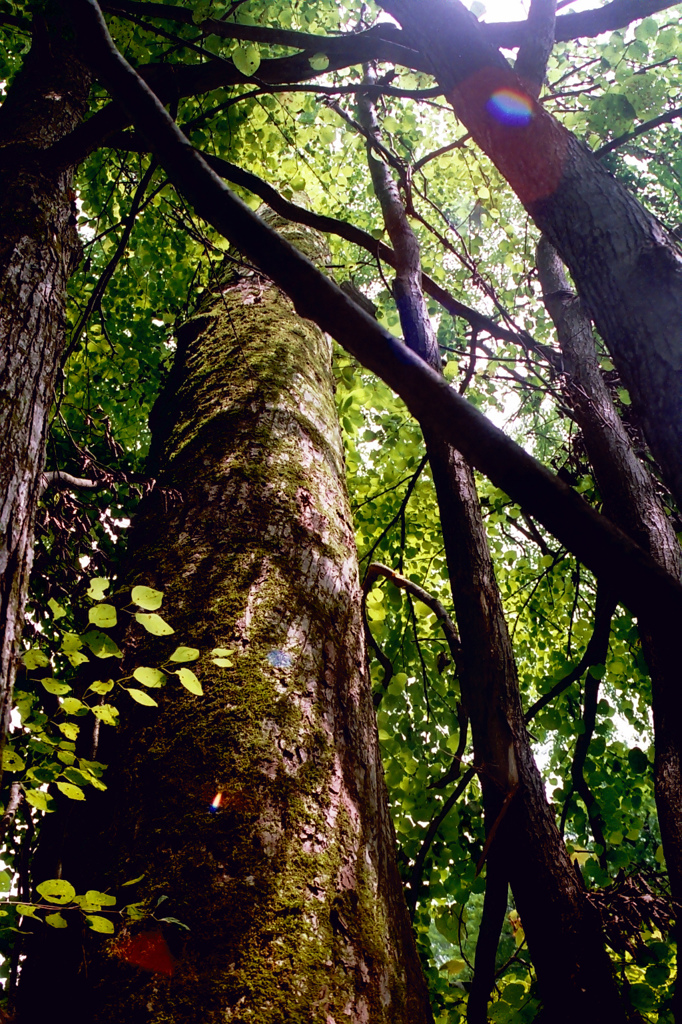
(510, 107)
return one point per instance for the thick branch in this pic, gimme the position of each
(587, 24)
(58, 478)
(637, 580)
(334, 226)
(531, 63)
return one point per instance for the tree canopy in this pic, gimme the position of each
(527, 176)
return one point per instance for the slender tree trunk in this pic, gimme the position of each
(627, 268)
(39, 249)
(564, 932)
(629, 494)
(290, 889)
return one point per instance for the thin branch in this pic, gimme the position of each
(376, 569)
(604, 549)
(403, 505)
(594, 652)
(108, 272)
(646, 126)
(412, 894)
(16, 795)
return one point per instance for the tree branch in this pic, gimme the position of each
(603, 548)
(646, 126)
(376, 569)
(592, 23)
(58, 478)
(594, 652)
(534, 52)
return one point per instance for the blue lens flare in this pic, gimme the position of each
(510, 107)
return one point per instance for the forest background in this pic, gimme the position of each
(147, 258)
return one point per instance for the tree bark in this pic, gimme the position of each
(564, 932)
(39, 249)
(627, 268)
(629, 494)
(291, 888)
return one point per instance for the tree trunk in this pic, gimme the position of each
(39, 249)
(290, 889)
(630, 499)
(627, 269)
(564, 932)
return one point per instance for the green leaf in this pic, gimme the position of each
(54, 686)
(184, 654)
(319, 61)
(68, 789)
(103, 615)
(57, 611)
(56, 890)
(94, 900)
(154, 624)
(149, 676)
(77, 658)
(174, 920)
(453, 966)
(135, 911)
(147, 598)
(106, 713)
(101, 645)
(222, 657)
(190, 681)
(638, 760)
(26, 910)
(134, 881)
(142, 698)
(56, 920)
(102, 687)
(5, 881)
(104, 899)
(97, 587)
(72, 705)
(100, 924)
(71, 642)
(69, 729)
(36, 798)
(247, 59)
(11, 761)
(35, 659)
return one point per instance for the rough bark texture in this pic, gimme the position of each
(629, 494)
(290, 888)
(627, 268)
(573, 969)
(38, 251)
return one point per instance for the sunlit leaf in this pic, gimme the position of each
(147, 598)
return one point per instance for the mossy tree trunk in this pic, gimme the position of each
(290, 889)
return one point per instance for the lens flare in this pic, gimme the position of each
(216, 802)
(510, 107)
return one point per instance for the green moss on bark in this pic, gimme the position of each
(290, 889)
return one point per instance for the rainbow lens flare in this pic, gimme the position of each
(510, 107)
(216, 802)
